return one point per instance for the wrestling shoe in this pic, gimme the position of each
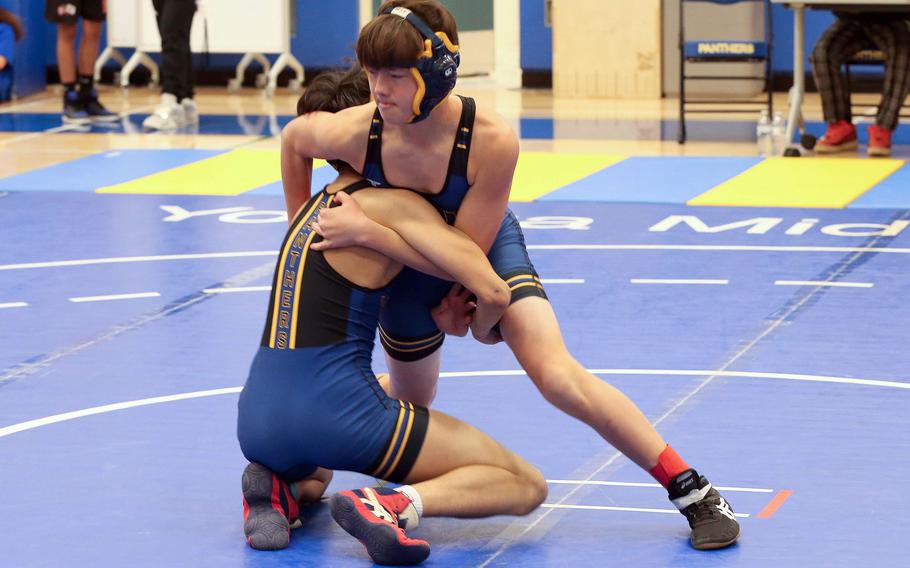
(839, 137)
(377, 518)
(710, 517)
(269, 509)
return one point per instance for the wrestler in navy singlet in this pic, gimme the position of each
(407, 330)
(311, 398)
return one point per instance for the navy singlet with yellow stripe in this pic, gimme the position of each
(311, 398)
(407, 330)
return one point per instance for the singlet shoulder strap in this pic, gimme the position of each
(462, 146)
(374, 143)
(356, 186)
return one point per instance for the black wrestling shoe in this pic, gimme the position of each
(710, 517)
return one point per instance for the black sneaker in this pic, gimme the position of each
(96, 110)
(74, 111)
(710, 517)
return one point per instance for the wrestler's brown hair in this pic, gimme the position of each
(390, 41)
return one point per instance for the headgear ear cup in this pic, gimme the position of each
(436, 69)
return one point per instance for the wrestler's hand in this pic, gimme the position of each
(454, 314)
(342, 225)
(492, 336)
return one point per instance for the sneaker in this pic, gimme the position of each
(710, 517)
(879, 141)
(269, 509)
(74, 111)
(840, 137)
(376, 517)
(168, 115)
(96, 110)
(190, 113)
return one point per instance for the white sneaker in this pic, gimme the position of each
(168, 116)
(190, 113)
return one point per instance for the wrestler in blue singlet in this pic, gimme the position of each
(311, 398)
(407, 330)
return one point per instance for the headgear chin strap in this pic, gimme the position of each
(436, 68)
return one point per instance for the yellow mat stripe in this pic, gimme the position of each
(539, 173)
(231, 173)
(805, 182)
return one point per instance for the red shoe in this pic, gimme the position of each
(268, 509)
(374, 516)
(879, 141)
(840, 137)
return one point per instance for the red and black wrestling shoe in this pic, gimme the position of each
(268, 509)
(376, 517)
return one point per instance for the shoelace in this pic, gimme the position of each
(704, 510)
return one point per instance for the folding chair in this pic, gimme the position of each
(722, 51)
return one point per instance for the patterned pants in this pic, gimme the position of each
(845, 38)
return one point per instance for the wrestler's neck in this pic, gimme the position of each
(445, 116)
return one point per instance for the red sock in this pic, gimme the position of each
(669, 465)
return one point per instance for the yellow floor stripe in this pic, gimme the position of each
(804, 182)
(231, 173)
(539, 173)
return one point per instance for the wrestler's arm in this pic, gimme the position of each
(482, 210)
(479, 217)
(421, 226)
(331, 136)
(360, 229)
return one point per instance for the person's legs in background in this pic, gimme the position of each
(88, 53)
(177, 109)
(844, 38)
(73, 107)
(893, 39)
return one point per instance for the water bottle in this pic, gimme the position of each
(778, 134)
(763, 134)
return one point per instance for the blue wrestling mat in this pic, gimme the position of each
(768, 345)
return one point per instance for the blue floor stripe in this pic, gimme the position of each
(249, 125)
(891, 193)
(668, 179)
(99, 170)
(533, 128)
(537, 128)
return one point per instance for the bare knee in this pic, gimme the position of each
(91, 30)
(536, 489)
(66, 32)
(558, 380)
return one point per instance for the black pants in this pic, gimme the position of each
(175, 18)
